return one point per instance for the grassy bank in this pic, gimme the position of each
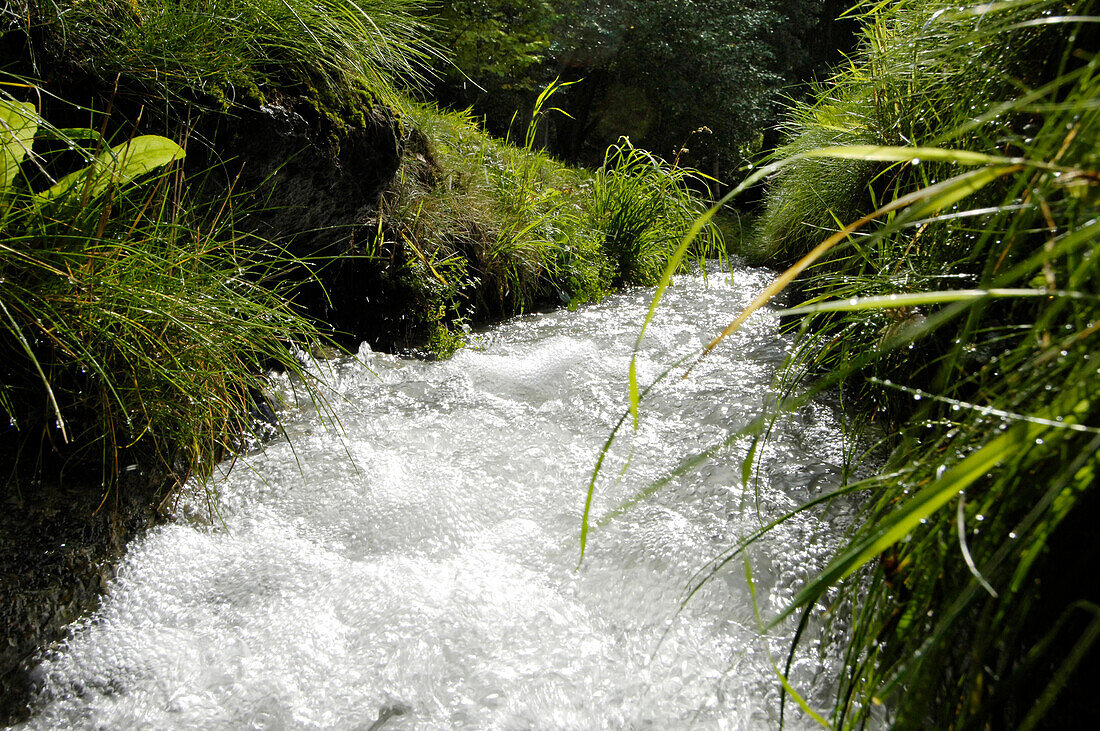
(938, 201)
(490, 228)
(191, 194)
(144, 297)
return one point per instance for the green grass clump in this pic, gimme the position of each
(957, 304)
(200, 50)
(135, 325)
(642, 207)
(479, 228)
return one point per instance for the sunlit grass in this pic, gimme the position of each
(141, 319)
(229, 51)
(642, 208)
(498, 229)
(956, 304)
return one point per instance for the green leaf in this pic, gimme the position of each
(671, 267)
(120, 164)
(915, 299)
(18, 123)
(775, 668)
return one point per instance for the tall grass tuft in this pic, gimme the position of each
(135, 323)
(948, 253)
(199, 50)
(642, 207)
(484, 228)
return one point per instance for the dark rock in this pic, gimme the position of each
(314, 187)
(59, 545)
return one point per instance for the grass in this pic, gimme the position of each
(486, 229)
(221, 53)
(136, 324)
(642, 206)
(939, 202)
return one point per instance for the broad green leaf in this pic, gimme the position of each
(121, 164)
(68, 134)
(18, 123)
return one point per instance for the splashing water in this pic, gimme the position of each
(416, 566)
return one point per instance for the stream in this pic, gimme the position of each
(411, 562)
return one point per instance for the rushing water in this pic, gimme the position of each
(416, 566)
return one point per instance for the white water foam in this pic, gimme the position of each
(416, 567)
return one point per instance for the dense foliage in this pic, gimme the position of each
(666, 68)
(941, 197)
(500, 40)
(654, 71)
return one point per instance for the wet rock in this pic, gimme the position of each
(59, 545)
(313, 185)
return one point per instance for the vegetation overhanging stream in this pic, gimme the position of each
(194, 193)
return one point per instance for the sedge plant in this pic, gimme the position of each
(475, 228)
(954, 300)
(642, 207)
(136, 323)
